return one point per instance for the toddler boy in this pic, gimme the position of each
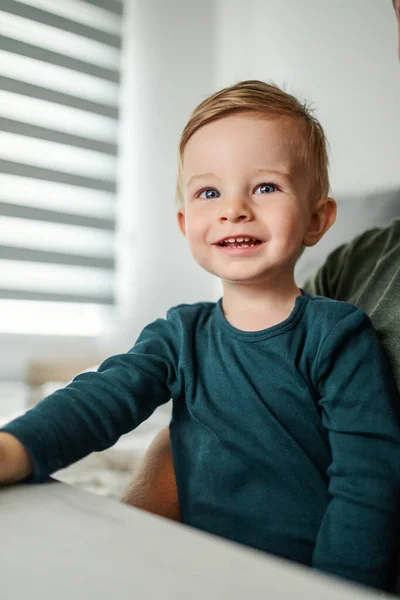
(284, 430)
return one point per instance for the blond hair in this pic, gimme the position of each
(264, 100)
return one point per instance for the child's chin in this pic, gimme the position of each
(240, 278)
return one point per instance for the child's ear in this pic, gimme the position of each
(322, 219)
(182, 222)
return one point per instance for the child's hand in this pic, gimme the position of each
(15, 463)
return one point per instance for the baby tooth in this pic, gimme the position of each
(240, 239)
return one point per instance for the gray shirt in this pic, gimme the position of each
(366, 272)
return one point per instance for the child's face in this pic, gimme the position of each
(242, 179)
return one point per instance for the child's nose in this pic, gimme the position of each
(234, 210)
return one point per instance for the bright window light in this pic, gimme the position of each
(57, 40)
(60, 157)
(94, 16)
(56, 196)
(56, 237)
(57, 259)
(57, 78)
(56, 279)
(52, 318)
(58, 117)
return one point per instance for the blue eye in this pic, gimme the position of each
(267, 188)
(209, 194)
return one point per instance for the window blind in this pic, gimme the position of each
(59, 89)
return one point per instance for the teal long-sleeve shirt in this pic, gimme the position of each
(285, 439)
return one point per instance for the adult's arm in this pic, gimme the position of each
(357, 536)
(361, 270)
(153, 487)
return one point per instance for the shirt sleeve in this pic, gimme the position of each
(359, 403)
(96, 408)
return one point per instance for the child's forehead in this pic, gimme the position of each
(245, 139)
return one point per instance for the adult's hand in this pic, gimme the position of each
(153, 487)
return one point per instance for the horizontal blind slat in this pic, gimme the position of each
(49, 56)
(59, 22)
(62, 197)
(29, 171)
(11, 294)
(55, 279)
(59, 238)
(59, 137)
(55, 258)
(58, 78)
(58, 118)
(63, 42)
(111, 5)
(57, 157)
(52, 216)
(41, 93)
(81, 12)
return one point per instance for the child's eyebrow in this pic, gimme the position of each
(274, 172)
(200, 176)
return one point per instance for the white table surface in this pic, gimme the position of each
(58, 542)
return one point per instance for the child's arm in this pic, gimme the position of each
(15, 463)
(359, 402)
(95, 409)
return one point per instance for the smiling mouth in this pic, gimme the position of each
(240, 242)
